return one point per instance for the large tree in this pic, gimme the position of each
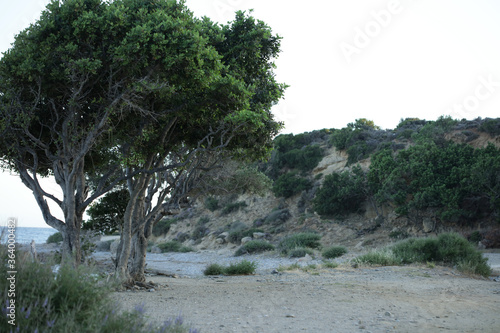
(137, 91)
(180, 147)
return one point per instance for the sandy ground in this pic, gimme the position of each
(344, 299)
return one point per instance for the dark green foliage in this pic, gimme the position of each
(173, 246)
(55, 238)
(290, 184)
(242, 268)
(305, 239)
(491, 126)
(254, 246)
(462, 182)
(233, 207)
(360, 139)
(163, 226)
(295, 152)
(341, 193)
(475, 237)
(334, 252)
(107, 214)
(448, 248)
(214, 269)
(304, 159)
(212, 204)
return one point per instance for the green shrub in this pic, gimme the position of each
(304, 159)
(334, 252)
(214, 269)
(242, 268)
(71, 300)
(300, 252)
(329, 264)
(384, 257)
(305, 239)
(163, 226)
(341, 193)
(212, 204)
(173, 246)
(447, 248)
(290, 184)
(55, 238)
(233, 207)
(254, 246)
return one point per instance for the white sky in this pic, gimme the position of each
(377, 59)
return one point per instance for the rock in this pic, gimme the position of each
(275, 271)
(114, 246)
(220, 241)
(428, 224)
(259, 235)
(224, 235)
(246, 240)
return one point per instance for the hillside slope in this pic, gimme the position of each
(216, 222)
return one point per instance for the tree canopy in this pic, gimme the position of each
(110, 91)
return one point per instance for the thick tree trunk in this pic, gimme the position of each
(139, 259)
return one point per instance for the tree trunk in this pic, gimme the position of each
(139, 259)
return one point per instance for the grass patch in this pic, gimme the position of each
(449, 248)
(300, 252)
(255, 246)
(334, 252)
(244, 267)
(304, 239)
(173, 246)
(329, 264)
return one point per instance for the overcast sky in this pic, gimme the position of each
(344, 60)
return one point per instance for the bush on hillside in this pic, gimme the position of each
(341, 193)
(289, 184)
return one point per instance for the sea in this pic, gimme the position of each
(24, 235)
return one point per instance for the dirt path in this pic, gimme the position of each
(386, 299)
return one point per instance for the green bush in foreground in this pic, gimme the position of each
(242, 268)
(55, 238)
(71, 300)
(448, 248)
(255, 246)
(304, 239)
(334, 252)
